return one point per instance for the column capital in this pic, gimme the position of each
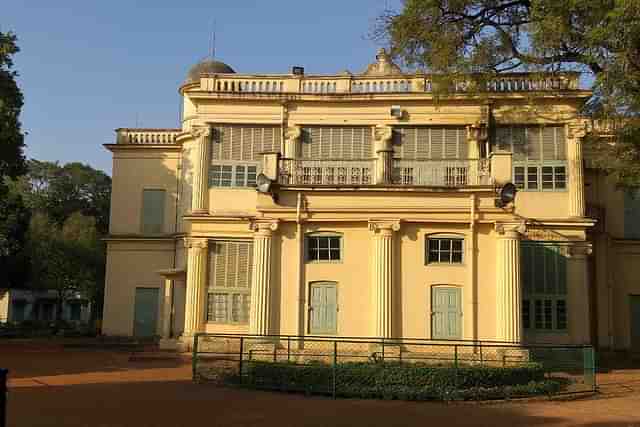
(265, 226)
(196, 242)
(201, 131)
(510, 230)
(388, 226)
(580, 250)
(293, 133)
(383, 133)
(577, 130)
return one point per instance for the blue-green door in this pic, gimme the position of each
(635, 322)
(323, 310)
(146, 312)
(446, 313)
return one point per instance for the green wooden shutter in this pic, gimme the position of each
(446, 313)
(451, 143)
(437, 143)
(323, 308)
(153, 202)
(533, 141)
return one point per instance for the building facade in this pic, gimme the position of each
(26, 305)
(379, 214)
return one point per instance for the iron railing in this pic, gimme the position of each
(326, 172)
(217, 356)
(442, 173)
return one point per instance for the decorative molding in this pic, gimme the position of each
(544, 235)
(577, 130)
(579, 250)
(376, 226)
(266, 225)
(201, 131)
(293, 133)
(503, 228)
(198, 243)
(383, 133)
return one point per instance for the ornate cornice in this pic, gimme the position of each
(577, 130)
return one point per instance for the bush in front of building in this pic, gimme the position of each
(397, 380)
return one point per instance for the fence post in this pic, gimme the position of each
(455, 365)
(4, 391)
(481, 357)
(240, 359)
(382, 350)
(288, 349)
(194, 358)
(335, 367)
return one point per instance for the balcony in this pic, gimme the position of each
(326, 172)
(428, 173)
(147, 136)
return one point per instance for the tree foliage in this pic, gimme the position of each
(600, 37)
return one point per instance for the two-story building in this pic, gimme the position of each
(379, 213)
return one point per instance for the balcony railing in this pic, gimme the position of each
(436, 173)
(147, 136)
(441, 173)
(326, 172)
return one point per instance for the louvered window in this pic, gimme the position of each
(428, 142)
(243, 142)
(337, 143)
(544, 286)
(229, 295)
(539, 155)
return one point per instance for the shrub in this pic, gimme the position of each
(405, 381)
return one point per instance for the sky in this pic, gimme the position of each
(87, 67)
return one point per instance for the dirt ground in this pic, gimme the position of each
(52, 385)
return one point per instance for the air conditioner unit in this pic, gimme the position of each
(396, 111)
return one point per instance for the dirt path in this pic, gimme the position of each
(53, 386)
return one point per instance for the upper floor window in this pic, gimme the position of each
(544, 286)
(153, 202)
(336, 143)
(232, 175)
(324, 247)
(430, 142)
(231, 142)
(539, 155)
(444, 249)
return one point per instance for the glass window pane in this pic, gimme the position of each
(227, 174)
(323, 254)
(532, 178)
(547, 177)
(547, 314)
(526, 314)
(457, 244)
(334, 242)
(240, 176)
(456, 257)
(560, 177)
(215, 175)
(538, 314)
(334, 254)
(445, 244)
(433, 256)
(323, 242)
(561, 314)
(251, 176)
(519, 176)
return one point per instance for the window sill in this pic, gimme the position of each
(325, 262)
(445, 264)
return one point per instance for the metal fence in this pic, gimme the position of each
(217, 357)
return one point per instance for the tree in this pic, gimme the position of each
(601, 37)
(61, 191)
(12, 214)
(66, 259)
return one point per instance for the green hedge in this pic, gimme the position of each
(403, 381)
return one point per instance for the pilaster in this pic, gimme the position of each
(196, 285)
(261, 280)
(383, 233)
(576, 170)
(200, 199)
(508, 288)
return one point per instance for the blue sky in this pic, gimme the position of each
(87, 66)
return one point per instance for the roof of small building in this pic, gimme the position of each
(207, 66)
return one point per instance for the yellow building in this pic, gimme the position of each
(381, 219)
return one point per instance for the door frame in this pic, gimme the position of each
(158, 308)
(431, 312)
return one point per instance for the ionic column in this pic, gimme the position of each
(383, 278)
(575, 172)
(384, 154)
(508, 289)
(196, 285)
(260, 310)
(200, 199)
(292, 142)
